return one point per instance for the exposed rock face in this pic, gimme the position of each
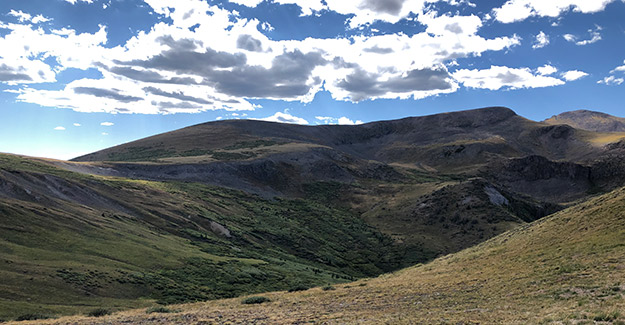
(220, 230)
(495, 197)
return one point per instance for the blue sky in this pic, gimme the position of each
(77, 76)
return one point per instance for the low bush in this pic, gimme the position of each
(31, 317)
(255, 300)
(99, 312)
(160, 309)
(299, 287)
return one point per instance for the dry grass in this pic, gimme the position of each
(601, 139)
(566, 269)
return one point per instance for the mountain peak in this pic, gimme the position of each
(589, 120)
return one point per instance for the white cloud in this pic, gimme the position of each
(345, 121)
(308, 7)
(248, 3)
(225, 61)
(25, 17)
(595, 36)
(547, 70)
(23, 71)
(77, 124)
(107, 124)
(497, 77)
(611, 81)
(573, 75)
(340, 121)
(619, 69)
(518, 10)
(285, 118)
(541, 40)
(59, 128)
(75, 1)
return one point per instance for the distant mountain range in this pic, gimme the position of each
(227, 208)
(589, 120)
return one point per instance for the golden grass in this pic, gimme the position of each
(568, 268)
(605, 138)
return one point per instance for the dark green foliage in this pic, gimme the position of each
(141, 154)
(99, 312)
(299, 287)
(32, 316)
(328, 288)
(251, 144)
(160, 310)
(225, 155)
(195, 152)
(606, 317)
(255, 300)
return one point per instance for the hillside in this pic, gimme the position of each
(229, 208)
(442, 141)
(589, 120)
(566, 268)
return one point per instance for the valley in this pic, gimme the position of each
(526, 215)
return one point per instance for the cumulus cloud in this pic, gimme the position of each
(22, 70)
(25, 17)
(76, 1)
(518, 10)
(611, 81)
(248, 3)
(59, 128)
(77, 124)
(107, 124)
(541, 40)
(207, 58)
(285, 118)
(595, 36)
(619, 69)
(547, 70)
(340, 121)
(573, 75)
(498, 77)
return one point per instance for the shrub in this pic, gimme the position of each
(328, 287)
(99, 312)
(160, 309)
(255, 300)
(298, 287)
(31, 317)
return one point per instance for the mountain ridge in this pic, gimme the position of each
(242, 207)
(589, 120)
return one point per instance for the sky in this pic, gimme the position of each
(77, 76)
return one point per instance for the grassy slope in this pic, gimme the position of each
(566, 268)
(62, 257)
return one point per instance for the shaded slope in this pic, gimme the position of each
(69, 242)
(444, 141)
(563, 268)
(589, 120)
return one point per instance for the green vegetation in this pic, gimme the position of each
(70, 259)
(140, 154)
(160, 310)
(99, 312)
(255, 300)
(251, 144)
(31, 317)
(514, 278)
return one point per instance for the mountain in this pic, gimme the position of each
(589, 120)
(565, 268)
(228, 208)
